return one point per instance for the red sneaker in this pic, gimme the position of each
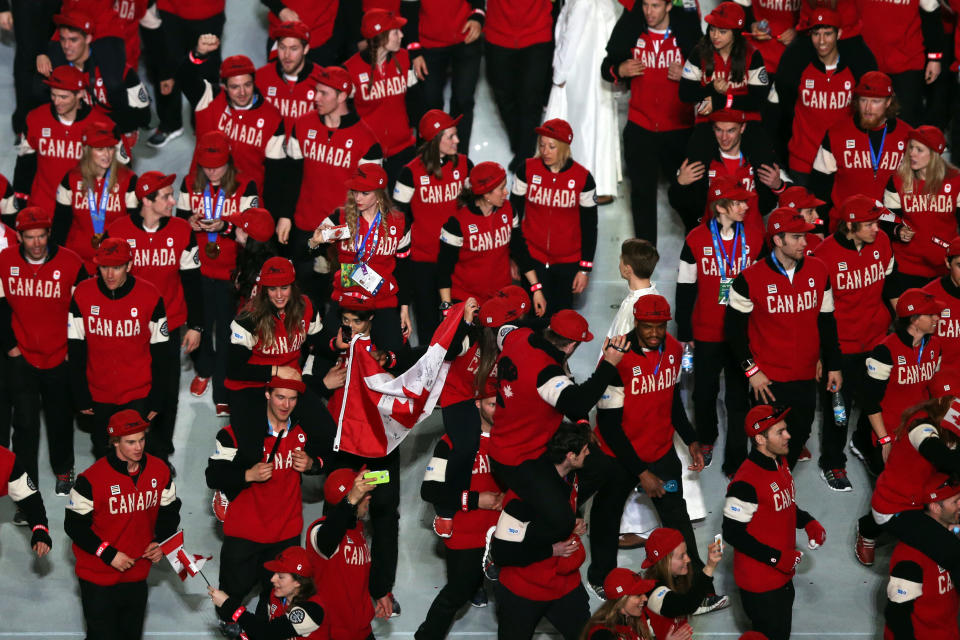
(865, 549)
(443, 527)
(223, 411)
(198, 386)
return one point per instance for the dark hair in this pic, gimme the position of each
(306, 591)
(556, 339)
(429, 152)
(849, 227)
(362, 314)
(250, 257)
(487, 342)
(369, 55)
(152, 197)
(928, 412)
(703, 52)
(640, 255)
(467, 197)
(570, 437)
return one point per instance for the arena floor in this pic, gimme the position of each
(836, 597)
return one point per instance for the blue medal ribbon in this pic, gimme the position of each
(656, 369)
(923, 345)
(211, 213)
(98, 216)
(722, 259)
(776, 263)
(876, 155)
(360, 249)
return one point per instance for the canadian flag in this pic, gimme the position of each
(377, 411)
(952, 418)
(182, 562)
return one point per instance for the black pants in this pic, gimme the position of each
(6, 403)
(210, 358)
(464, 577)
(461, 64)
(648, 154)
(395, 164)
(160, 441)
(801, 397)
(517, 617)
(32, 19)
(909, 88)
(770, 612)
(115, 612)
(461, 423)
(557, 280)
(316, 286)
(710, 359)
(31, 390)
(833, 438)
(384, 518)
(921, 532)
(241, 567)
(520, 81)
(97, 423)
(179, 37)
(608, 509)
(426, 300)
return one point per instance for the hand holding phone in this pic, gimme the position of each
(377, 477)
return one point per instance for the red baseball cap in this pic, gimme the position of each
(126, 422)
(820, 17)
(874, 84)
(509, 304)
(784, 220)
(485, 177)
(914, 302)
(860, 208)
(660, 544)
(954, 248)
(75, 20)
(257, 223)
(291, 560)
(621, 583)
(798, 197)
(728, 115)
(368, 177)
(940, 491)
(338, 484)
(99, 134)
(930, 137)
(286, 383)
(276, 272)
(651, 308)
(33, 218)
(113, 252)
(67, 78)
(153, 181)
(762, 417)
(377, 21)
(434, 122)
(236, 66)
(557, 129)
(213, 149)
(726, 15)
(571, 325)
(334, 77)
(727, 188)
(290, 29)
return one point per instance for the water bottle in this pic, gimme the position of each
(839, 410)
(686, 362)
(763, 26)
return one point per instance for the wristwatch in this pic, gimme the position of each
(748, 364)
(445, 305)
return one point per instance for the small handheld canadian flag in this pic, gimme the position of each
(183, 563)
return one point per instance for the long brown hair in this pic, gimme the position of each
(934, 175)
(351, 214)
(487, 341)
(929, 412)
(307, 589)
(262, 312)
(703, 53)
(88, 170)
(610, 615)
(372, 52)
(228, 182)
(430, 156)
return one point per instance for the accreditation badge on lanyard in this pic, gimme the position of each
(724, 261)
(361, 273)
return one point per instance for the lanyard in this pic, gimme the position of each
(209, 212)
(876, 155)
(722, 253)
(98, 216)
(776, 263)
(656, 369)
(923, 345)
(360, 249)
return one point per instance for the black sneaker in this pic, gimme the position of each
(712, 602)
(396, 606)
(159, 139)
(20, 518)
(599, 590)
(868, 463)
(490, 570)
(707, 451)
(230, 629)
(836, 479)
(480, 599)
(64, 483)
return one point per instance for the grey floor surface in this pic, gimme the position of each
(836, 597)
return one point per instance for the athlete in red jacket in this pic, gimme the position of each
(760, 519)
(36, 293)
(120, 509)
(285, 82)
(947, 291)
